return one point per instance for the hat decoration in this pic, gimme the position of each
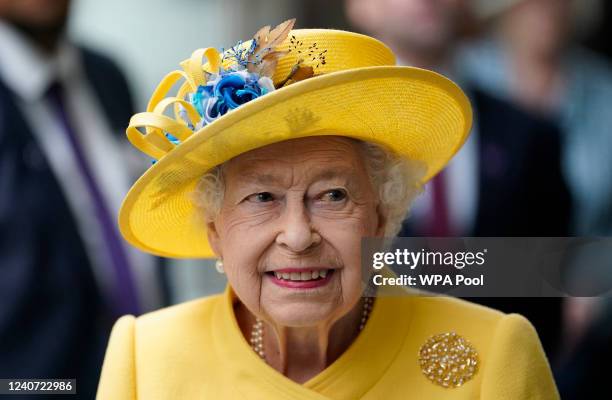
(231, 78)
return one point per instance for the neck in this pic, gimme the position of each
(536, 78)
(46, 40)
(301, 353)
(47, 44)
(548, 60)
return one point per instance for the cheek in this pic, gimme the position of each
(346, 232)
(361, 221)
(243, 245)
(344, 236)
(243, 237)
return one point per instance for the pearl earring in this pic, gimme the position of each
(219, 266)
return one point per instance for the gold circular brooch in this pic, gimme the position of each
(448, 360)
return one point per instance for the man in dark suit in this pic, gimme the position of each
(64, 273)
(522, 190)
(519, 189)
(506, 180)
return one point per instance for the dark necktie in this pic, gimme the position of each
(125, 299)
(439, 218)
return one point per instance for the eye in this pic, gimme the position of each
(262, 197)
(334, 195)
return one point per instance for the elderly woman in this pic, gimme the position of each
(280, 155)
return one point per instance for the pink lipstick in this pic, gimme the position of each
(301, 278)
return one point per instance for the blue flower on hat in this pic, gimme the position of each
(234, 90)
(226, 91)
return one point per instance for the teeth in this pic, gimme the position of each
(301, 276)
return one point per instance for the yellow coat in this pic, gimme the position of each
(195, 350)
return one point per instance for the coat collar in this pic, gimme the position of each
(353, 373)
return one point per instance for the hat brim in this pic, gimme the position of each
(417, 113)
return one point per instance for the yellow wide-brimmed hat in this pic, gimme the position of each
(284, 84)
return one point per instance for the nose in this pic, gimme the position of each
(296, 232)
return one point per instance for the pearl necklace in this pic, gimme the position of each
(257, 333)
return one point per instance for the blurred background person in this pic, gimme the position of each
(506, 180)
(511, 163)
(65, 274)
(530, 54)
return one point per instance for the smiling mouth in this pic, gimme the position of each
(302, 278)
(299, 276)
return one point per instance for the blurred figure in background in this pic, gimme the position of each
(506, 180)
(511, 162)
(531, 56)
(65, 275)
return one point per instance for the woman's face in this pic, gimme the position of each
(290, 227)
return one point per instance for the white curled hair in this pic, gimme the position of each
(395, 179)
